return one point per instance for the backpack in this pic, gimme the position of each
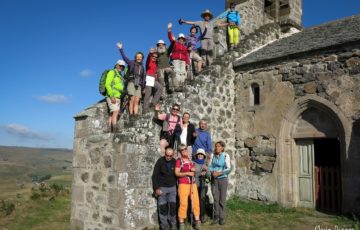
(102, 82)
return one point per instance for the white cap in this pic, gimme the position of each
(160, 42)
(120, 62)
(181, 35)
(200, 151)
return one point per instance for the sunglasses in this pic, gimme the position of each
(175, 109)
(181, 150)
(166, 155)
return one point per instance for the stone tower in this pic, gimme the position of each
(256, 13)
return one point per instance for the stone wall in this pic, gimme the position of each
(112, 173)
(331, 74)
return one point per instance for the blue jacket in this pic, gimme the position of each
(220, 163)
(202, 141)
(231, 16)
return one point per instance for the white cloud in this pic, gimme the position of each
(86, 73)
(24, 132)
(53, 98)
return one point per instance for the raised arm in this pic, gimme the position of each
(158, 115)
(182, 21)
(170, 34)
(126, 59)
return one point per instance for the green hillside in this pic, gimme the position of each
(20, 167)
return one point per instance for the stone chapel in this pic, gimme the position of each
(286, 103)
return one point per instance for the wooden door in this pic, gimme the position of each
(306, 173)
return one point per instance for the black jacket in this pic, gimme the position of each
(190, 139)
(163, 174)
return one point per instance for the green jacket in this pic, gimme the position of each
(114, 85)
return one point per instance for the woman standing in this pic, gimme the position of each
(187, 136)
(185, 171)
(135, 79)
(219, 168)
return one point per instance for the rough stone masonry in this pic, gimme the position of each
(307, 87)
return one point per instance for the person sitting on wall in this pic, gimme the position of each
(233, 25)
(179, 58)
(191, 41)
(135, 77)
(152, 83)
(171, 127)
(164, 185)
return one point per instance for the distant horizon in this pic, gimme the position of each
(29, 147)
(55, 51)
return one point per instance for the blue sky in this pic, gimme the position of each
(52, 53)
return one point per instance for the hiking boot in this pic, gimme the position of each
(198, 225)
(222, 222)
(181, 226)
(215, 221)
(145, 111)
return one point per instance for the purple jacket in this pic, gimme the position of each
(191, 40)
(131, 66)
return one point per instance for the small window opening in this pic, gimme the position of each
(255, 94)
(269, 8)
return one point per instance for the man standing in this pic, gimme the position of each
(219, 168)
(114, 87)
(164, 185)
(207, 42)
(203, 139)
(165, 73)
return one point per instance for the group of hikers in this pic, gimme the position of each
(186, 167)
(167, 67)
(188, 162)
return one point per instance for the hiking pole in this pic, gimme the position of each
(191, 202)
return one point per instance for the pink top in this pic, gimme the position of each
(172, 121)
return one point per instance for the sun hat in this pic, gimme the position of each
(207, 12)
(200, 151)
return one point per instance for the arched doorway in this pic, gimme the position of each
(311, 149)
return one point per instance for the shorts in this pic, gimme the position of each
(113, 107)
(132, 91)
(195, 56)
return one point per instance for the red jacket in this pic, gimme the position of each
(151, 66)
(179, 51)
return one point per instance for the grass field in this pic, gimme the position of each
(49, 214)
